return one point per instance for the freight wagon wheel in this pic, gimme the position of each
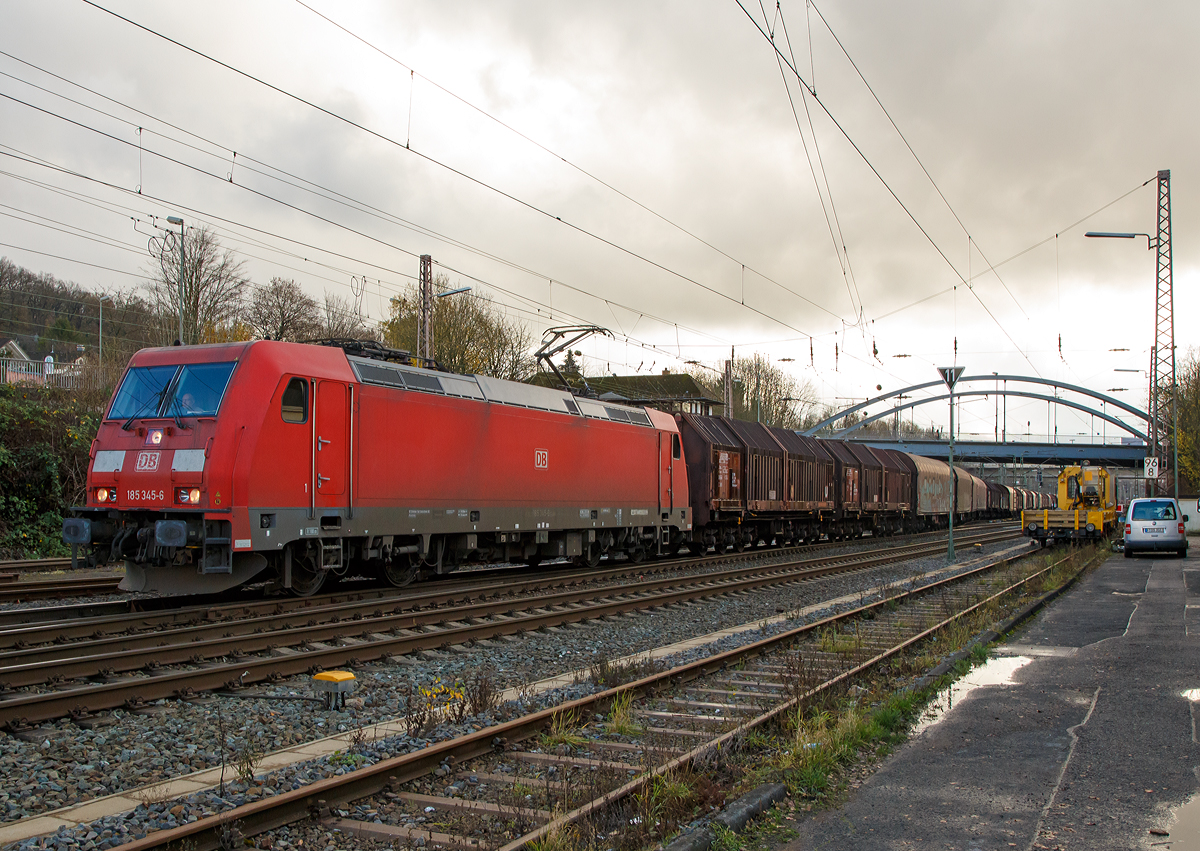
(636, 556)
(591, 558)
(307, 578)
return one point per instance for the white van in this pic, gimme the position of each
(1155, 525)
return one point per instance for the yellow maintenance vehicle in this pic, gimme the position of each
(1087, 507)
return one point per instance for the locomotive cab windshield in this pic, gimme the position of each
(188, 390)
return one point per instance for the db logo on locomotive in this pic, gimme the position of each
(541, 459)
(147, 462)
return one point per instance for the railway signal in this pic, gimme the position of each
(950, 375)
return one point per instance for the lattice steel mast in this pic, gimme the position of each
(1163, 415)
(425, 309)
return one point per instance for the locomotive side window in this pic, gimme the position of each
(295, 401)
(675, 453)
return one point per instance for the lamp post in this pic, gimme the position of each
(1163, 353)
(103, 297)
(996, 435)
(431, 341)
(176, 220)
(951, 374)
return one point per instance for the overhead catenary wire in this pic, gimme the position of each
(20, 156)
(637, 312)
(229, 180)
(1023, 251)
(198, 213)
(839, 241)
(816, 182)
(569, 163)
(862, 154)
(904, 139)
(293, 180)
(460, 173)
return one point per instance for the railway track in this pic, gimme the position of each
(21, 590)
(125, 661)
(17, 566)
(560, 769)
(180, 609)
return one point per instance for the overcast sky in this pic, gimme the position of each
(646, 167)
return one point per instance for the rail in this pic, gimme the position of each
(319, 799)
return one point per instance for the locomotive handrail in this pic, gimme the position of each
(1137, 412)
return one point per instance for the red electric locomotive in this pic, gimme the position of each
(269, 461)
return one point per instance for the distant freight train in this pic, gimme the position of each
(287, 463)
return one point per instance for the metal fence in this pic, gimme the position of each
(40, 373)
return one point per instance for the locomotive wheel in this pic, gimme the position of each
(400, 572)
(307, 578)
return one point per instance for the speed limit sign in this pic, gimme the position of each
(1151, 465)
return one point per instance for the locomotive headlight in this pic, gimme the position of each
(154, 437)
(188, 496)
(103, 494)
(194, 495)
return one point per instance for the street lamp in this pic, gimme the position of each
(1164, 325)
(996, 435)
(176, 220)
(1107, 235)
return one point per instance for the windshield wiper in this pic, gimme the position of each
(140, 412)
(176, 410)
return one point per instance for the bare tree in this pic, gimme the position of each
(471, 334)
(213, 285)
(282, 311)
(762, 391)
(340, 320)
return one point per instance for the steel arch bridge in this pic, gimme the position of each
(1027, 394)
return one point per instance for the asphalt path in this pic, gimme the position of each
(1091, 745)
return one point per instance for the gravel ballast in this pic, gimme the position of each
(64, 764)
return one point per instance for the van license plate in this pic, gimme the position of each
(1152, 530)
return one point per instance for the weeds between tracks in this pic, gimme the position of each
(823, 752)
(831, 743)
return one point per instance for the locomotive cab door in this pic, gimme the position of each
(331, 444)
(669, 452)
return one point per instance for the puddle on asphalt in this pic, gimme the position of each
(1185, 830)
(996, 672)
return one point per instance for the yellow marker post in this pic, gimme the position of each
(335, 685)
